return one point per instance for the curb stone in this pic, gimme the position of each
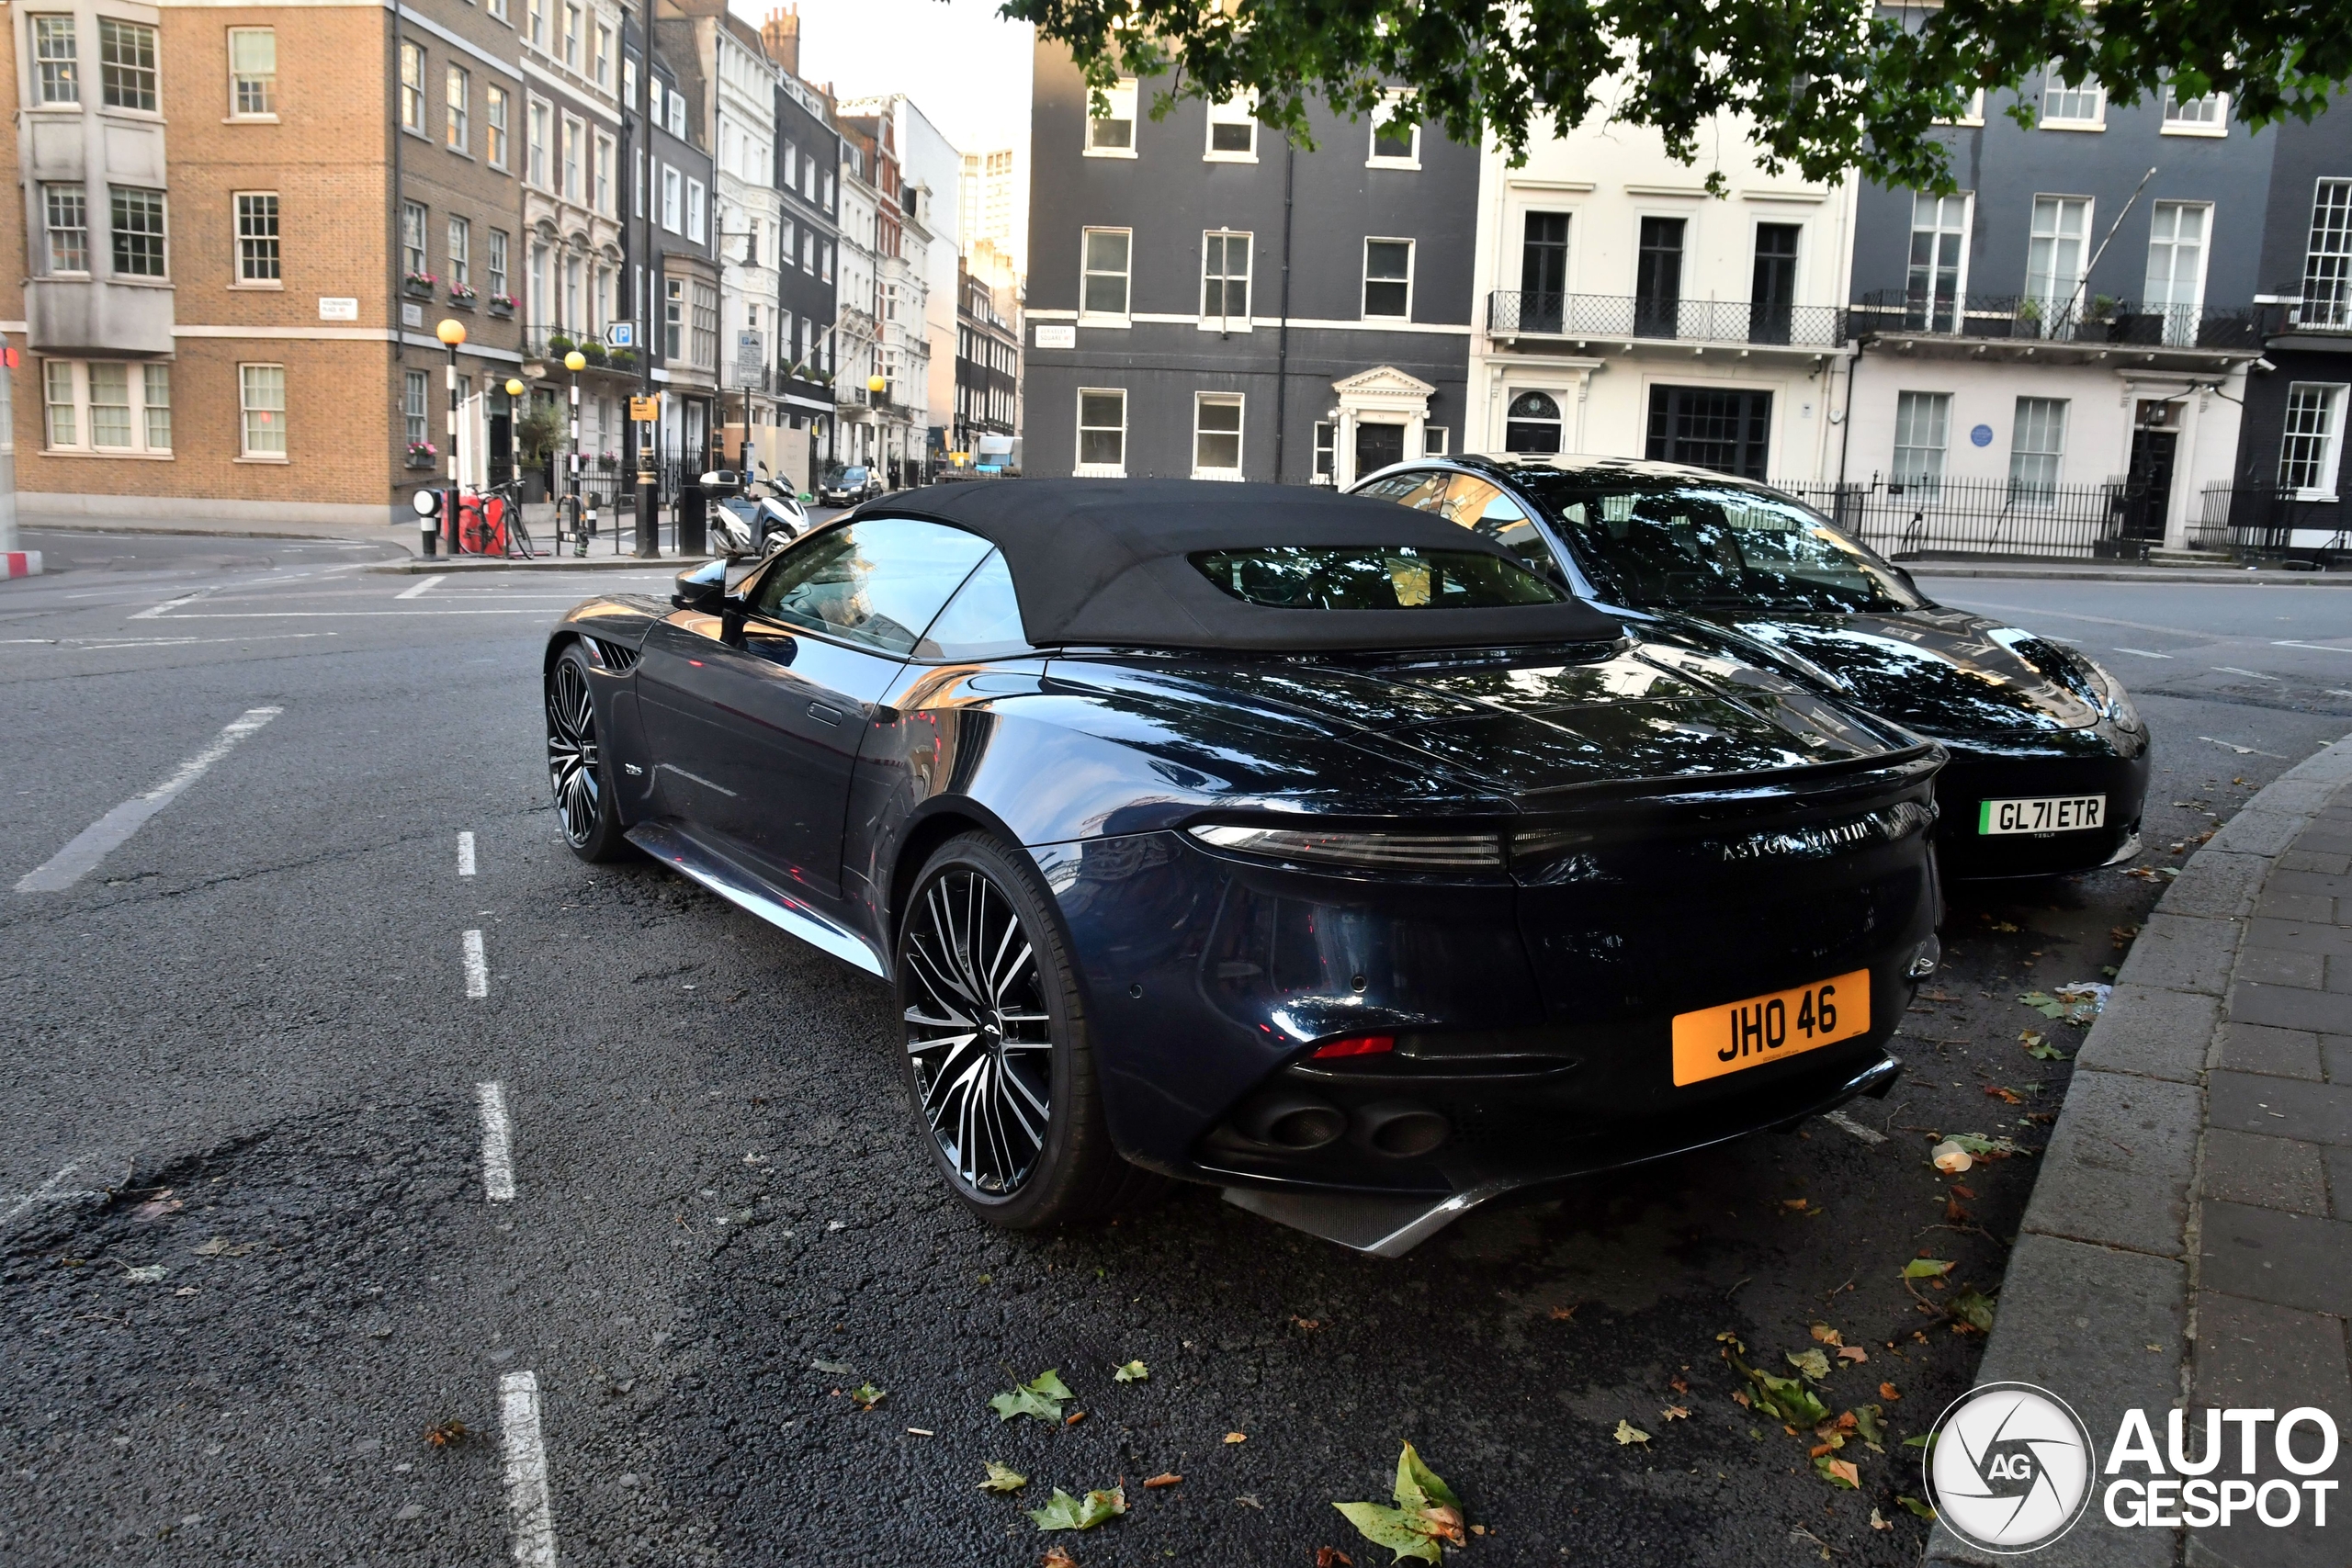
(2095, 1305)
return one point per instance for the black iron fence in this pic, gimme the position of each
(1910, 517)
(2257, 520)
(2032, 319)
(1515, 312)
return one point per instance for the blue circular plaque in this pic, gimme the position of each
(1980, 437)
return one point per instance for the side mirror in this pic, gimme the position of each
(703, 589)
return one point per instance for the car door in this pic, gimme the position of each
(758, 712)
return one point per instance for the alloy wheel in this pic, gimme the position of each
(978, 1033)
(572, 750)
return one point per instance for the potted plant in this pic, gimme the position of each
(560, 345)
(419, 284)
(593, 350)
(462, 296)
(501, 304)
(423, 454)
(624, 359)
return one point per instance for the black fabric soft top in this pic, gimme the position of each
(1102, 562)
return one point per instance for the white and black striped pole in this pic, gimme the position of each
(451, 331)
(575, 362)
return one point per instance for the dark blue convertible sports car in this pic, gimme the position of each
(1290, 842)
(2049, 760)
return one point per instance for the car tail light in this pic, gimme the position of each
(1390, 851)
(1356, 1046)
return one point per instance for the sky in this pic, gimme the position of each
(966, 68)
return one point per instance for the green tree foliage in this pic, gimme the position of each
(1829, 86)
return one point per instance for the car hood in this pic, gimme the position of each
(1942, 672)
(1528, 727)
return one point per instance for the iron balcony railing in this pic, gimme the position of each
(2031, 318)
(1517, 314)
(1932, 514)
(552, 344)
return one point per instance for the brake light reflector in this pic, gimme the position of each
(1356, 1046)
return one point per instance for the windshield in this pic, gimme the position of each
(846, 477)
(1695, 543)
(1354, 576)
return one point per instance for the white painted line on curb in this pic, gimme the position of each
(477, 966)
(497, 1143)
(95, 842)
(527, 1470)
(465, 854)
(423, 584)
(152, 611)
(1867, 1134)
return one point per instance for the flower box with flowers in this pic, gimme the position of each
(423, 454)
(501, 304)
(462, 297)
(419, 284)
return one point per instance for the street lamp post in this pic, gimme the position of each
(451, 331)
(513, 445)
(574, 362)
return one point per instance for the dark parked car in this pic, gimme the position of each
(848, 484)
(2049, 760)
(1260, 837)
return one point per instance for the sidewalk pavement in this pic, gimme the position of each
(2190, 1238)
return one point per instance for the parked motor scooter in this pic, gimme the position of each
(753, 518)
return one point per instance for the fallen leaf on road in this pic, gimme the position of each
(1828, 1334)
(1042, 1397)
(1134, 1371)
(2005, 925)
(1740, 1397)
(1886, 1391)
(1866, 1422)
(1974, 1309)
(1332, 1557)
(1784, 1399)
(145, 1274)
(1427, 1513)
(2008, 1096)
(1003, 1478)
(839, 1369)
(1629, 1433)
(1913, 1505)
(865, 1396)
(1674, 1413)
(221, 1246)
(1878, 1521)
(1565, 1314)
(1064, 1512)
(1306, 1326)
(1926, 1269)
(1813, 1364)
(1950, 1158)
(1056, 1558)
(155, 1207)
(1237, 1437)
(1839, 1472)
(1854, 1353)
(445, 1434)
(1170, 1479)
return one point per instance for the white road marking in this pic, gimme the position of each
(2143, 652)
(184, 641)
(334, 615)
(423, 584)
(152, 611)
(527, 1470)
(477, 966)
(465, 854)
(100, 839)
(47, 1192)
(2251, 674)
(2241, 751)
(1867, 1134)
(497, 1143)
(2321, 647)
(2078, 615)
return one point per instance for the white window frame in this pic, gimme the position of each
(538, 119)
(276, 238)
(269, 82)
(1325, 468)
(698, 212)
(2212, 117)
(497, 123)
(1106, 318)
(2039, 494)
(246, 451)
(1085, 470)
(2069, 94)
(1373, 158)
(50, 85)
(1936, 441)
(674, 196)
(138, 384)
(2062, 288)
(2331, 439)
(456, 109)
(606, 157)
(1436, 440)
(1365, 280)
(2327, 258)
(1240, 109)
(1123, 110)
(1239, 404)
(571, 174)
(1971, 113)
(1228, 324)
(1967, 201)
(2181, 316)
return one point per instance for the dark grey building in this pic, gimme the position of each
(673, 222)
(987, 371)
(808, 154)
(1204, 300)
(2052, 356)
(2290, 454)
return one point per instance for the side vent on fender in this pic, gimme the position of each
(615, 656)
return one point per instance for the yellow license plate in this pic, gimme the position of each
(1715, 1041)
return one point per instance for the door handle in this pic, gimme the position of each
(824, 715)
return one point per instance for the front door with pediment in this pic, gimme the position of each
(1377, 445)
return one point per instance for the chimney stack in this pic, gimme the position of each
(781, 33)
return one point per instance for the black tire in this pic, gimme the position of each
(578, 772)
(976, 1100)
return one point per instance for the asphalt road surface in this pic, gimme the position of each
(252, 1268)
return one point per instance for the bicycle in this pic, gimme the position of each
(507, 535)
